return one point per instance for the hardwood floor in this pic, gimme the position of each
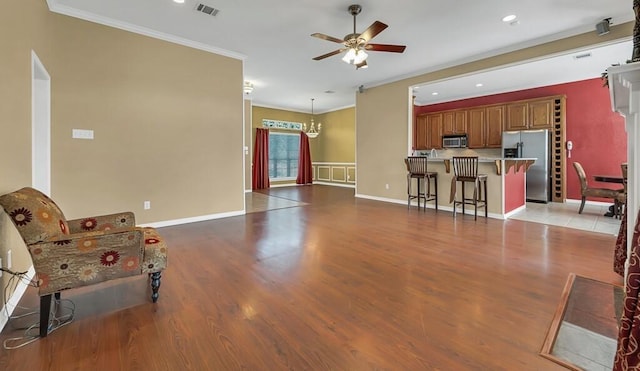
(338, 284)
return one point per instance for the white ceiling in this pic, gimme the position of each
(273, 38)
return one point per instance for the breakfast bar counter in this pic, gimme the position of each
(506, 183)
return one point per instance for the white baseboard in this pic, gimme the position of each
(202, 218)
(429, 205)
(597, 203)
(336, 184)
(21, 288)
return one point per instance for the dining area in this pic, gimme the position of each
(615, 189)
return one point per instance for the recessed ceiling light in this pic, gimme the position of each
(478, 85)
(329, 91)
(509, 18)
(178, 1)
(434, 93)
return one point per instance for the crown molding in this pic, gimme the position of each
(56, 7)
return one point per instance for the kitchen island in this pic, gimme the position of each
(506, 183)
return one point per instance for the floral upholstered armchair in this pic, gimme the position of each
(73, 253)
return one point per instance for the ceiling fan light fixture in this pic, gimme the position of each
(355, 56)
(362, 64)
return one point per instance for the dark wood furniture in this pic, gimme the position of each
(465, 170)
(587, 191)
(417, 169)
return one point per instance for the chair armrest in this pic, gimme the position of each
(82, 259)
(102, 222)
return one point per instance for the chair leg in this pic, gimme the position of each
(486, 204)
(155, 285)
(408, 191)
(476, 194)
(435, 189)
(582, 204)
(463, 196)
(45, 309)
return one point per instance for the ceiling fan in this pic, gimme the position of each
(356, 43)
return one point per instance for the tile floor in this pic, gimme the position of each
(566, 215)
(588, 332)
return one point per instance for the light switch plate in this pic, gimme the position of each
(82, 134)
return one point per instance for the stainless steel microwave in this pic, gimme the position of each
(454, 141)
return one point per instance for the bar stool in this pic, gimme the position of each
(465, 170)
(417, 169)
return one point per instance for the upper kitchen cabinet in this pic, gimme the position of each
(428, 131)
(530, 115)
(454, 122)
(517, 116)
(484, 129)
(476, 129)
(420, 141)
(434, 127)
(541, 114)
(495, 126)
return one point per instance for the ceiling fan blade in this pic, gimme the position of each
(385, 48)
(362, 64)
(327, 37)
(373, 30)
(329, 54)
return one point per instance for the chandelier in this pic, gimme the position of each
(312, 132)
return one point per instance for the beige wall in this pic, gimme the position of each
(167, 121)
(382, 114)
(336, 142)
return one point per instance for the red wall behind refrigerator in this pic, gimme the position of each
(598, 134)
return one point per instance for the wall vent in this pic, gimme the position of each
(583, 55)
(206, 9)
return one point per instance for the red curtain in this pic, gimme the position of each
(261, 160)
(305, 172)
(628, 352)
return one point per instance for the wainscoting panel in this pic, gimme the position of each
(335, 173)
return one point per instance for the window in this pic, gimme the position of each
(284, 150)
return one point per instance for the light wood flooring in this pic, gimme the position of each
(337, 284)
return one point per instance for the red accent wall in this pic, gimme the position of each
(598, 134)
(514, 187)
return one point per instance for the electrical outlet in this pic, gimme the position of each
(8, 260)
(386, 186)
(147, 205)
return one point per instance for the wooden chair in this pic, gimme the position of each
(72, 253)
(587, 191)
(465, 170)
(621, 198)
(417, 169)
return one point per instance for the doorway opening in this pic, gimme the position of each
(40, 126)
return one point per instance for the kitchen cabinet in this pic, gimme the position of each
(454, 122)
(434, 130)
(428, 131)
(495, 126)
(484, 129)
(421, 133)
(517, 116)
(530, 115)
(541, 114)
(476, 129)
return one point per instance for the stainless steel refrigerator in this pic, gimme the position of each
(532, 143)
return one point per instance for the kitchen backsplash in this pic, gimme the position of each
(450, 152)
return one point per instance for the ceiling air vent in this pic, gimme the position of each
(581, 56)
(206, 9)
